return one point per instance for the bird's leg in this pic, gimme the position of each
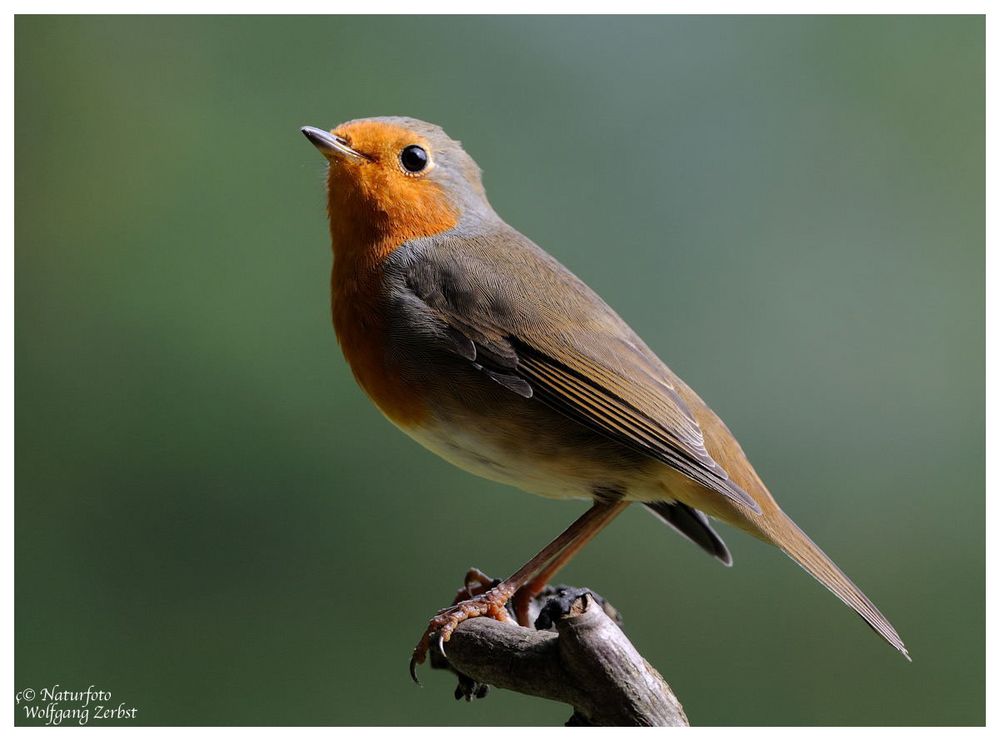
(492, 602)
(521, 601)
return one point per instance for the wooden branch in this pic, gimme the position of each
(587, 663)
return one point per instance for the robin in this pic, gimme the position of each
(486, 350)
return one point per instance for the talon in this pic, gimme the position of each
(491, 603)
(413, 671)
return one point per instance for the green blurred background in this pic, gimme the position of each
(215, 524)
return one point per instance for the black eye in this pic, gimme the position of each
(414, 158)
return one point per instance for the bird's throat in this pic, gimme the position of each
(371, 216)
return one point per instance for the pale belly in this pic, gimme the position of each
(533, 464)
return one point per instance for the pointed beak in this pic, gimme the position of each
(331, 145)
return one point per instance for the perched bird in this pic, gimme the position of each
(486, 350)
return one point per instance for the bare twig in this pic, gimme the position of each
(587, 663)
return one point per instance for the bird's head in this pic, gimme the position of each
(393, 179)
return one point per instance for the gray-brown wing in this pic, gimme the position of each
(535, 328)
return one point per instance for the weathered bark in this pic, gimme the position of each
(586, 662)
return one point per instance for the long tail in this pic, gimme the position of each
(808, 555)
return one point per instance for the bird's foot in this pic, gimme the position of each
(487, 602)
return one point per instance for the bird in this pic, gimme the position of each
(486, 350)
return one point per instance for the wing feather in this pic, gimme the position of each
(565, 348)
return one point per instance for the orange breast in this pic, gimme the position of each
(360, 322)
(359, 314)
(374, 209)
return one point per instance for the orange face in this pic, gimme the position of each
(381, 187)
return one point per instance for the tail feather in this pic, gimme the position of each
(808, 555)
(694, 526)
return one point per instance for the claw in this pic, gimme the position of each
(489, 603)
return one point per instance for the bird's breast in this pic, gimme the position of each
(362, 323)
